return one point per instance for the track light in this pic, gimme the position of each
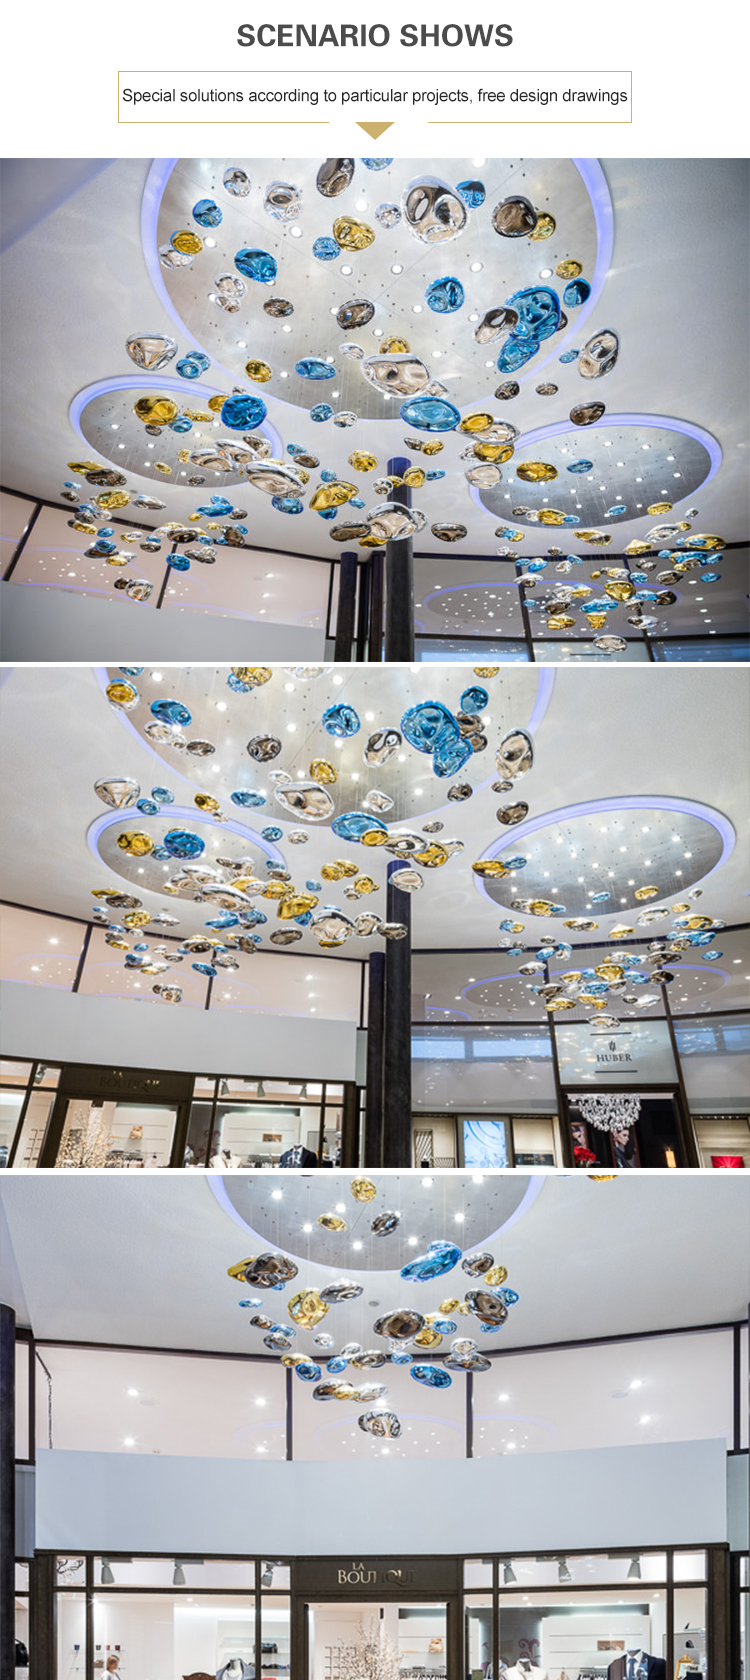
(303, 1091)
(509, 1578)
(634, 1572)
(261, 1088)
(563, 1572)
(107, 1578)
(178, 1576)
(223, 1088)
(266, 1579)
(39, 1073)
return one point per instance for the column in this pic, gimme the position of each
(346, 607)
(373, 1153)
(7, 1491)
(399, 582)
(397, 1114)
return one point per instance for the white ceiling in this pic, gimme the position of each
(103, 1257)
(645, 731)
(682, 350)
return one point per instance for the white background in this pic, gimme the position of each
(59, 93)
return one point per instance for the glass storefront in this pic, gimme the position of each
(99, 1117)
(254, 1122)
(565, 1616)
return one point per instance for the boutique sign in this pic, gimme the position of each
(381, 1577)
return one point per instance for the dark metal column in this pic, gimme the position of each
(42, 1616)
(350, 1125)
(684, 1117)
(345, 610)
(399, 581)
(7, 1492)
(373, 1153)
(397, 1115)
(377, 575)
(364, 575)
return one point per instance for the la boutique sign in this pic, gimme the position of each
(360, 1576)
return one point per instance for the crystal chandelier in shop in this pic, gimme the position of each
(610, 1113)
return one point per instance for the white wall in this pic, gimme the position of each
(40, 625)
(72, 1027)
(624, 1496)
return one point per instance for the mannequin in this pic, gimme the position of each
(637, 1665)
(525, 1669)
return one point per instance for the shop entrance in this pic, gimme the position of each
(404, 1640)
(117, 1117)
(380, 1619)
(656, 1136)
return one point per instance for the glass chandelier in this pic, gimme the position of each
(610, 1113)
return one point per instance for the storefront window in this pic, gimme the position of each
(256, 1121)
(22, 1619)
(276, 1575)
(14, 1078)
(690, 1566)
(581, 1633)
(690, 1645)
(478, 1636)
(182, 1633)
(477, 1573)
(652, 1139)
(71, 1636)
(111, 1134)
(275, 1633)
(36, 1118)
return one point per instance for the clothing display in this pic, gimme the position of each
(525, 1670)
(637, 1665)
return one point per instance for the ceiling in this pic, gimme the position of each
(641, 735)
(64, 339)
(168, 1244)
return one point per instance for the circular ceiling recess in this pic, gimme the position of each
(149, 872)
(445, 1208)
(603, 474)
(596, 863)
(392, 273)
(210, 754)
(465, 606)
(107, 422)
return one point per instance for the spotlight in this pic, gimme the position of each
(266, 1579)
(563, 1572)
(178, 1575)
(261, 1089)
(634, 1572)
(39, 1073)
(303, 1091)
(107, 1578)
(223, 1088)
(509, 1577)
